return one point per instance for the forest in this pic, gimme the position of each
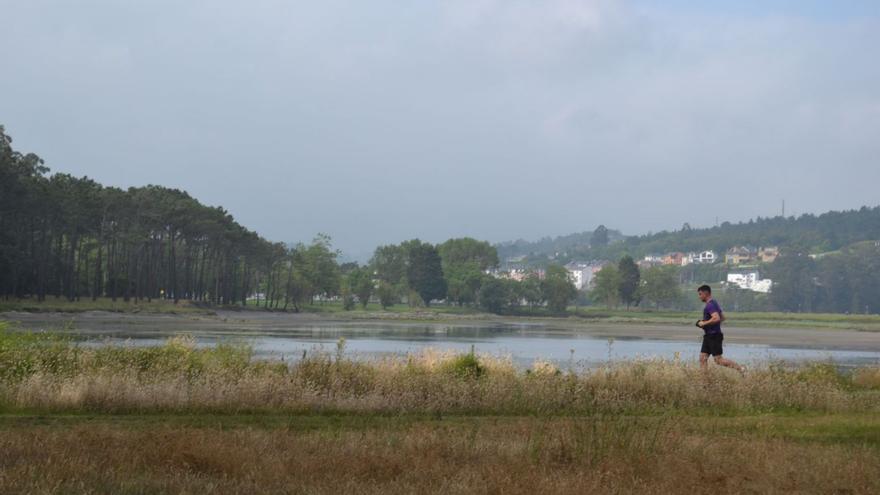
(72, 237)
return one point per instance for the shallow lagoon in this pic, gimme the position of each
(287, 337)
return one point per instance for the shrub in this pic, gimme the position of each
(465, 366)
(348, 301)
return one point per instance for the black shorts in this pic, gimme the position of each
(712, 344)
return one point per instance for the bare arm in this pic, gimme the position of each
(716, 318)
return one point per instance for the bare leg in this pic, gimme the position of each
(728, 363)
(704, 361)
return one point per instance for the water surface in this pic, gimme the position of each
(282, 337)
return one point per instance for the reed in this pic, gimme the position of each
(44, 371)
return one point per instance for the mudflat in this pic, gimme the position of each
(245, 323)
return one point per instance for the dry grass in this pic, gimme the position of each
(46, 373)
(437, 422)
(562, 455)
(867, 378)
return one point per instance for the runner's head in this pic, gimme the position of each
(704, 292)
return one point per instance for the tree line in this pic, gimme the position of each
(844, 281)
(808, 233)
(72, 237)
(459, 272)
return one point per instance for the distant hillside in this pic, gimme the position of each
(808, 233)
(549, 246)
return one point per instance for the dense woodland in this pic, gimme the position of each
(843, 281)
(63, 236)
(71, 237)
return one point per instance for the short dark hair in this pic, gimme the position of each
(704, 288)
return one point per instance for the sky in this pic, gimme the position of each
(380, 121)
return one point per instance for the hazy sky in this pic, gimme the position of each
(378, 121)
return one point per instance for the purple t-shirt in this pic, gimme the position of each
(712, 307)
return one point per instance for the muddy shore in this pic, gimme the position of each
(234, 323)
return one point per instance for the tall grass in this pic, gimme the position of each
(49, 372)
(626, 427)
(501, 455)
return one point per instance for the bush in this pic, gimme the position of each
(465, 366)
(348, 302)
(493, 295)
(386, 294)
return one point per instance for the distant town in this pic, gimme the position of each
(744, 262)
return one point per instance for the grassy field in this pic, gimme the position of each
(634, 316)
(62, 305)
(345, 454)
(175, 418)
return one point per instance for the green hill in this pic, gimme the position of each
(808, 233)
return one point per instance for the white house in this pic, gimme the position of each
(764, 286)
(650, 261)
(577, 276)
(582, 274)
(654, 258)
(519, 274)
(703, 257)
(744, 280)
(750, 280)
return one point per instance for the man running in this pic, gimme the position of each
(712, 336)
